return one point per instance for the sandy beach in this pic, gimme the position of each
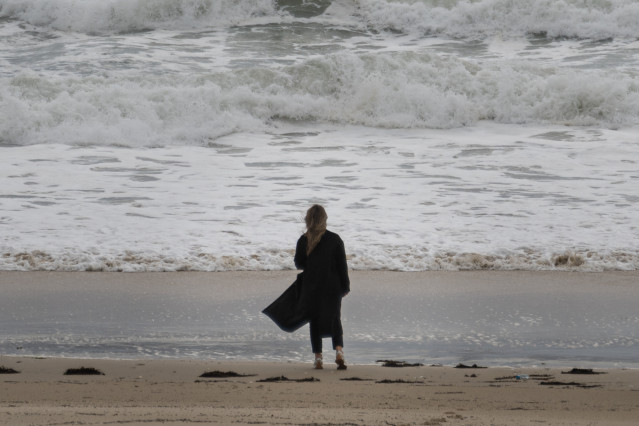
(172, 393)
(478, 160)
(587, 317)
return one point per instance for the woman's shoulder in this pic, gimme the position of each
(332, 235)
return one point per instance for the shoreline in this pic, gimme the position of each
(172, 392)
(493, 318)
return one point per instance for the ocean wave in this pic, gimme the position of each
(589, 19)
(477, 19)
(95, 16)
(393, 258)
(396, 90)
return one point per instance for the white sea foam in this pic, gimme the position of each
(593, 19)
(212, 125)
(395, 90)
(487, 197)
(134, 15)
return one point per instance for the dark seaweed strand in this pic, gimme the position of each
(224, 374)
(83, 371)
(6, 370)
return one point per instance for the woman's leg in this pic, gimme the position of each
(338, 345)
(316, 344)
(338, 342)
(337, 334)
(339, 358)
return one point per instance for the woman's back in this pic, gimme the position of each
(325, 267)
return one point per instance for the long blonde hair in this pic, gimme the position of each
(315, 226)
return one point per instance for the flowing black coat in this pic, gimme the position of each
(317, 293)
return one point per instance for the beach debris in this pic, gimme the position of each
(436, 421)
(224, 374)
(460, 365)
(568, 259)
(546, 377)
(575, 384)
(542, 377)
(399, 381)
(83, 371)
(391, 363)
(7, 370)
(356, 379)
(582, 371)
(286, 379)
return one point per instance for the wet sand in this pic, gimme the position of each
(171, 392)
(507, 318)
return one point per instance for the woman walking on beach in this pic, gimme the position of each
(320, 253)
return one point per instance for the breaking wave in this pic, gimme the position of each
(394, 258)
(403, 90)
(590, 19)
(94, 16)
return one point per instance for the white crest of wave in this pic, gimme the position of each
(120, 111)
(393, 258)
(132, 15)
(595, 19)
(398, 90)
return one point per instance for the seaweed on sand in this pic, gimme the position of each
(356, 379)
(83, 371)
(575, 384)
(398, 381)
(286, 379)
(224, 374)
(6, 370)
(581, 371)
(391, 363)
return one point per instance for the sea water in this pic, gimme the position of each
(171, 135)
(439, 134)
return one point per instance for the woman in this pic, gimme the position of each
(320, 253)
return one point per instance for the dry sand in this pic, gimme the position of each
(172, 393)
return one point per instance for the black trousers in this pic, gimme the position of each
(336, 335)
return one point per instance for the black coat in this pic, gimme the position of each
(286, 311)
(317, 293)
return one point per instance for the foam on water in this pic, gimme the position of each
(593, 19)
(195, 79)
(95, 16)
(394, 90)
(440, 134)
(490, 197)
